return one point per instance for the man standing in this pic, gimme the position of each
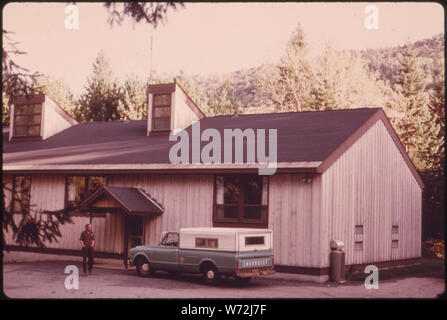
(87, 241)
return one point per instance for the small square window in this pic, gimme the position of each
(359, 229)
(162, 99)
(395, 244)
(395, 229)
(358, 245)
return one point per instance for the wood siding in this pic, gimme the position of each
(183, 115)
(48, 193)
(294, 219)
(371, 185)
(187, 200)
(52, 121)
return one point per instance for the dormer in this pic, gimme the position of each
(169, 108)
(36, 117)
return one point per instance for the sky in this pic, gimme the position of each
(204, 38)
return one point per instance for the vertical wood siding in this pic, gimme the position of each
(293, 217)
(371, 185)
(48, 193)
(187, 200)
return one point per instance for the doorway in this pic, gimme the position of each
(135, 227)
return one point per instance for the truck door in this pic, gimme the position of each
(166, 258)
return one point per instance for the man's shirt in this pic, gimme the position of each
(87, 237)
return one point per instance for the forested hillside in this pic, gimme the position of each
(381, 63)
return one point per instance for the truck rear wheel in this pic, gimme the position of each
(210, 274)
(144, 268)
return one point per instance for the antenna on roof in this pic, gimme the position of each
(151, 30)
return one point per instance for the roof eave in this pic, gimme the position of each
(281, 167)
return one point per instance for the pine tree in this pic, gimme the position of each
(103, 98)
(134, 100)
(417, 126)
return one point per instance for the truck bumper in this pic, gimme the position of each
(248, 273)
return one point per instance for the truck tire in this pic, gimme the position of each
(210, 274)
(144, 268)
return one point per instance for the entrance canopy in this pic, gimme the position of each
(133, 201)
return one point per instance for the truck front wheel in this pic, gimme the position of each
(144, 268)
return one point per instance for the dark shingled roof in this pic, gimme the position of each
(133, 200)
(302, 136)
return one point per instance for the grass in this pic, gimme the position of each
(427, 265)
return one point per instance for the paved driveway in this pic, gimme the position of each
(47, 280)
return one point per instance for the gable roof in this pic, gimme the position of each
(132, 200)
(307, 142)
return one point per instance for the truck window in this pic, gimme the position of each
(170, 239)
(250, 241)
(206, 243)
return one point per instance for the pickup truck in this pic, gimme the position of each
(238, 252)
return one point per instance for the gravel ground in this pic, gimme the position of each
(47, 280)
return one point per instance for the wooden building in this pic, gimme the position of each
(340, 175)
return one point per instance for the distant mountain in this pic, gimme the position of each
(383, 62)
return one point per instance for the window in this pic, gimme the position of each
(206, 243)
(241, 200)
(395, 244)
(170, 239)
(161, 112)
(21, 194)
(359, 229)
(78, 188)
(251, 241)
(358, 245)
(27, 120)
(395, 229)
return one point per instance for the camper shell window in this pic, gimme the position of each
(251, 241)
(206, 243)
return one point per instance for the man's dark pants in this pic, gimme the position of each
(87, 253)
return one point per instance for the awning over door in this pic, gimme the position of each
(133, 201)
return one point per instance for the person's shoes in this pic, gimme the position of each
(90, 272)
(85, 274)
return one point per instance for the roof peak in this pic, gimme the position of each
(295, 112)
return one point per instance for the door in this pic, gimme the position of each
(166, 256)
(135, 227)
(133, 234)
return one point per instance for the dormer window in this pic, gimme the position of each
(169, 108)
(37, 117)
(27, 119)
(161, 112)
